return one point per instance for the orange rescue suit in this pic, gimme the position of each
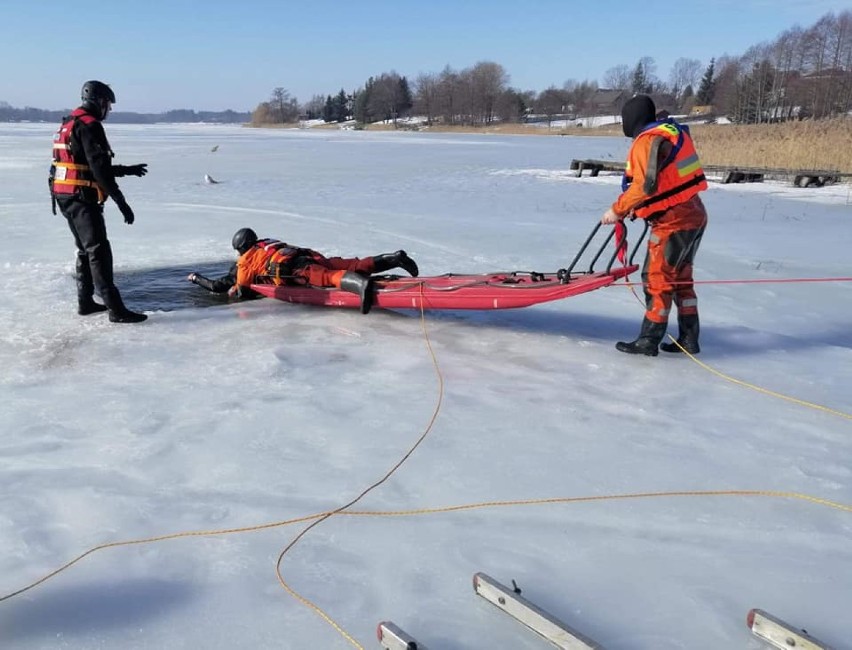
(270, 260)
(661, 183)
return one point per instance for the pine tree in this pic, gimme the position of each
(341, 109)
(405, 101)
(328, 110)
(639, 82)
(362, 103)
(707, 88)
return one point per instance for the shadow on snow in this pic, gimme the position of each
(167, 289)
(62, 614)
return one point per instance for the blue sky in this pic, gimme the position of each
(215, 55)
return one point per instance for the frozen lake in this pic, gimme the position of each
(213, 416)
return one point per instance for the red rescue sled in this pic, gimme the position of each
(503, 290)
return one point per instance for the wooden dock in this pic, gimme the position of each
(729, 174)
(595, 167)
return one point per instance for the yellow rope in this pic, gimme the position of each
(318, 518)
(740, 382)
(427, 511)
(150, 540)
(606, 497)
(387, 475)
(765, 391)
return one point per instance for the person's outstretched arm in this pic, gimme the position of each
(219, 285)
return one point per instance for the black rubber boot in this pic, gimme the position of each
(649, 339)
(127, 316)
(359, 284)
(687, 335)
(118, 313)
(397, 260)
(85, 288)
(89, 306)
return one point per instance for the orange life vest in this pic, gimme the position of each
(680, 176)
(269, 258)
(67, 176)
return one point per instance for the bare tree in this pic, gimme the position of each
(512, 105)
(449, 95)
(313, 108)
(650, 67)
(838, 45)
(845, 19)
(466, 102)
(724, 85)
(284, 107)
(488, 81)
(784, 56)
(581, 96)
(552, 101)
(426, 94)
(804, 72)
(685, 72)
(617, 78)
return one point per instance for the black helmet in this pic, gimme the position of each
(97, 97)
(96, 91)
(638, 112)
(244, 239)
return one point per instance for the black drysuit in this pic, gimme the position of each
(85, 215)
(224, 283)
(219, 285)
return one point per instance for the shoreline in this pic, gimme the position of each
(823, 144)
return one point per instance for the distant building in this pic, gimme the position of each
(828, 74)
(608, 102)
(783, 113)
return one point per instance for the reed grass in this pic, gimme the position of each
(808, 144)
(805, 145)
(823, 144)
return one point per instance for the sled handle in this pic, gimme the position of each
(583, 250)
(639, 241)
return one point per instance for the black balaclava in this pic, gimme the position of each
(96, 109)
(638, 112)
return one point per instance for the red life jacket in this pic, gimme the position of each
(680, 178)
(68, 176)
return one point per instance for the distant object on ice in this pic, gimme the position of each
(215, 149)
(209, 179)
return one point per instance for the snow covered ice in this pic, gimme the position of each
(214, 416)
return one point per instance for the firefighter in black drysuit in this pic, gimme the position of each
(82, 177)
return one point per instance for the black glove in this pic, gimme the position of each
(127, 212)
(130, 170)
